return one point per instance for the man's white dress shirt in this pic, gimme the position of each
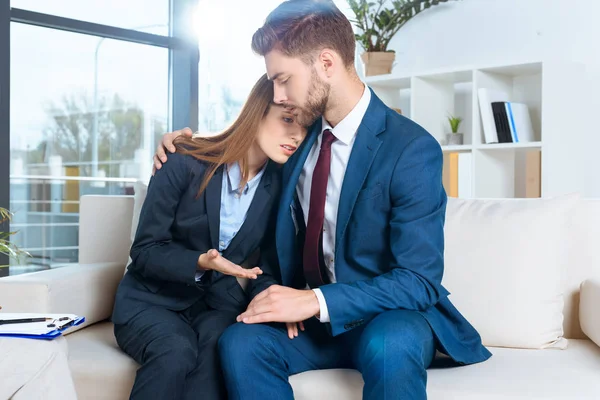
(345, 133)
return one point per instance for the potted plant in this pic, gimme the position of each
(378, 25)
(6, 247)
(454, 137)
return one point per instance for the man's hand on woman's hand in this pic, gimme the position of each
(281, 304)
(167, 143)
(215, 261)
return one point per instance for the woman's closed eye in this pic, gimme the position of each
(287, 116)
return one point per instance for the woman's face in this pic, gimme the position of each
(279, 135)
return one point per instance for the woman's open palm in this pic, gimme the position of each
(213, 260)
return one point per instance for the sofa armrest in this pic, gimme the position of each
(589, 317)
(87, 290)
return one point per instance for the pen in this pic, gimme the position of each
(22, 320)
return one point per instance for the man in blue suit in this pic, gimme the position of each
(359, 236)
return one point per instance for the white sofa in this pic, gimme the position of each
(102, 371)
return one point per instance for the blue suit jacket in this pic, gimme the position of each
(389, 248)
(176, 226)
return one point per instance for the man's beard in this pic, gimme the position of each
(318, 95)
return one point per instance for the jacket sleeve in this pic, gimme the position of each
(268, 259)
(154, 253)
(416, 244)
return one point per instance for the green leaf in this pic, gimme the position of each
(6, 247)
(454, 123)
(5, 215)
(380, 22)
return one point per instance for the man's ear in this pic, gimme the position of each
(328, 61)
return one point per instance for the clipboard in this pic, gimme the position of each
(39, 330)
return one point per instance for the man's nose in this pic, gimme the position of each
(279, 96)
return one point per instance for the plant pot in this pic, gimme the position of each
(454, 139)
(378, 62)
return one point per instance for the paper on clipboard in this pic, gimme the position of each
(38, 328)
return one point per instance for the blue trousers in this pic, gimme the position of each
(392, 352)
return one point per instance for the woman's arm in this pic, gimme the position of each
(269, 263)
(154, 253)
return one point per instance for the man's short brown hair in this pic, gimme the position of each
(300, 28)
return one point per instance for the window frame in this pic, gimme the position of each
(183, 70)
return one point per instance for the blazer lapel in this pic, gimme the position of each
(285, 231)
(255, 211)
(213, 206)
(363, 153)
(293, 169)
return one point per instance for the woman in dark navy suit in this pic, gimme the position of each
(210, 209)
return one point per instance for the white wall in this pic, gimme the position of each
(494, 31)
(487, 32)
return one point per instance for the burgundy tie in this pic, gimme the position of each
(316, 214)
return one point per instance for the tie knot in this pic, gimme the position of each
(327, 139)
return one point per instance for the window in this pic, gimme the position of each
(85, 112)
(150, 16)
(86, 108)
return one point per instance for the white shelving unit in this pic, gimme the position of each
(553, 93)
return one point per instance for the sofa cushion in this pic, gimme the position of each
(523, 374)
(104, 226)
(505, 264)
(585, 263)
(509, 374)
(102, 371)
(99, 368)
(140, 190)
(588, 309)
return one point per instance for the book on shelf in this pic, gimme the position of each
(501, 122)
(457, 175)
(533, 174)
(519, 119)
(464, 176)
(513, 123)
(486, 98)
(504, 121)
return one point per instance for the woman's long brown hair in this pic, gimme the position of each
(233, 144)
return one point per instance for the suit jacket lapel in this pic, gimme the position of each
(363, 153)
(255, 211)
(293, 168)
(213, 206)
(286, 234)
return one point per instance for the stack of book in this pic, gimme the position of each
(457, 178)
(504, 121)
(457, 175)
